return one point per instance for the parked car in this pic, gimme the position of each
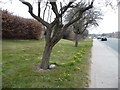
(103, 38)
(98, 37)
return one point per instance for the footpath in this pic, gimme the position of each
(104, 66)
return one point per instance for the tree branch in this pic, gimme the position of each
(54, 22)
(39, 10)
(54, 8)
(84, 29)
(33, 15)
(81, 11)
(64, 9)
(61, 11)
(48, 14)
(74, 15)
(73, 21)
(45, 10)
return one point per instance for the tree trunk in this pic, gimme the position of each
(46, 56)
(76, 40)
(50, 43)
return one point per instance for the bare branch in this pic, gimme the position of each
(80, 14)
(54, 22)
(64, 9)
(50, 17)
(39, 10)
(33, 15)
(84, 29)
(48, 14)
(76, 19)
(61, 11)
(45, 10)
(54, 8)
(87, 8)
(74, 15)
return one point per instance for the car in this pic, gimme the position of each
(98, 37)
(103, 38)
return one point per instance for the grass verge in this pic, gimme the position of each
(21, 56)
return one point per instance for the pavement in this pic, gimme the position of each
(104, 66)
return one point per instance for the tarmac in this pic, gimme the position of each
(104, 66)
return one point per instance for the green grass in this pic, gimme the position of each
(19, 58)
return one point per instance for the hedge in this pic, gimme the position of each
(15, 27)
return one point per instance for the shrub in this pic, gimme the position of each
(15, 27)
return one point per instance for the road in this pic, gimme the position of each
(113, 43)
(104, 66)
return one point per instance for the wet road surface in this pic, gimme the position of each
(113, 43)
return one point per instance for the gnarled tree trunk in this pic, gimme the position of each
(46, 56)
(50, 42)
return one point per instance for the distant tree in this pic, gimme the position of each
(88, 19)
(85, 34)
(104, 34)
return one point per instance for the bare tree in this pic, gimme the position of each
(88, 18)
(55, 28)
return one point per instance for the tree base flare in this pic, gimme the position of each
(39, 69)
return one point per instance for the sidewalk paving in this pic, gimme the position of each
(104, 66)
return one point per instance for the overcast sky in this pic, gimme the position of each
(107, 25)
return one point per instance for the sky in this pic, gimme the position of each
(109, 23)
